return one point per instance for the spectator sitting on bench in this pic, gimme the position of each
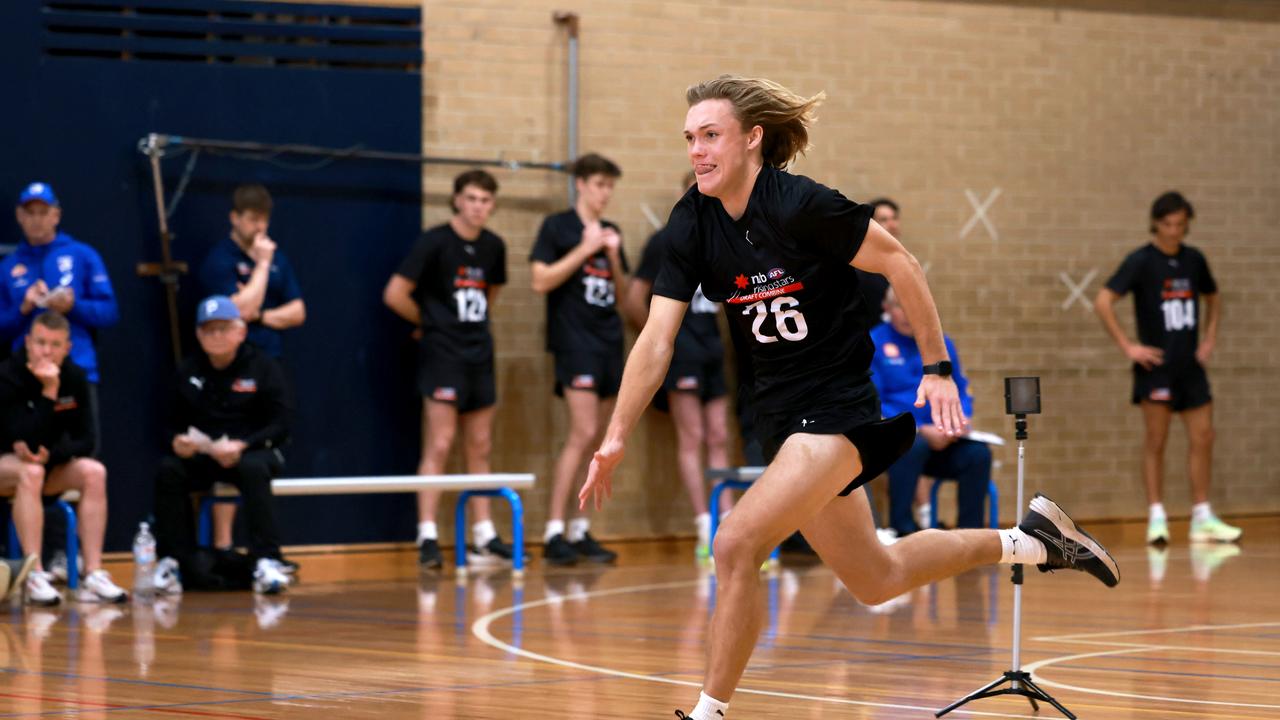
(230, 417)
(896, 371)
(46, 429)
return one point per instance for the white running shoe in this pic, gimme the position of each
(97, 587)
(886, 536)
(58, 566)
(166, 579)
(269, 578)
(40, 590)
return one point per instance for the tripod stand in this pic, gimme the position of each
(1020, 682)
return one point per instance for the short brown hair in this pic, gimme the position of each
(52, 320)
(595, 164)
(783, 115)
(479, 178)
(251, 197)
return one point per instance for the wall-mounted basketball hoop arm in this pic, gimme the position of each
(156, 146)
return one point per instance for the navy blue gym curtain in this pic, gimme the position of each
(85, 80)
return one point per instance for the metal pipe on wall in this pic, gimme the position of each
(570, 21)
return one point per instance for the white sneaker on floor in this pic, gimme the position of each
(97, 587)
(58, 567)
(40, 590)
(166, 579)
(269, 577)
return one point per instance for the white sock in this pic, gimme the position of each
(577, 528)
(482, 532)
(554, 528)
(1017, 547)
(1201, 512)
(709, 708)
(923, 513)
(427, 531)
(1156, 512)
(703, 523)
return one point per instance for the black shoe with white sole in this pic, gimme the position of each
(1068, 545)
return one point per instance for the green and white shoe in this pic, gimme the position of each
(1214, 530)
(702, 553)
(1157, 531)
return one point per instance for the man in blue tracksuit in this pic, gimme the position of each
(896, 371)
(51, 270)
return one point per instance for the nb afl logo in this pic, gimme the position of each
(804, 423)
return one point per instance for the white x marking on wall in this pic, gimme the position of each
(980, 213)
(1077, 291)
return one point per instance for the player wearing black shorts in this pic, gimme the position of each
(446, 286)
(1169, 281)
(694, 391)
(778, 249)
(578, 262)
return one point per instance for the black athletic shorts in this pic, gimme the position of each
(469, 386)
(706, 379)
(854, 413)
(1183, 389)
(601, 373)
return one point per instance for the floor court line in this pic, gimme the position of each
(482, 632)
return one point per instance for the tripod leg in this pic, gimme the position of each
(976, 694)
(1046, 697)
(1035, 706)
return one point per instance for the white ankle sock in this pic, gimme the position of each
(577, 528)
(1201, 512)
(709, 708)
(703, 523)
(482, 532)
(427, 531)
(1017, 547)
(1156, 512)
(554, 528)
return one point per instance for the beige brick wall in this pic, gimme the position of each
(1078, 116)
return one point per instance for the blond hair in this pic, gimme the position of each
(783, 115)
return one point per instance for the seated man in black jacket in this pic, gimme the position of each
(46, 436)
(230, 416)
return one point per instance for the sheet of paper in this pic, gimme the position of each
(985, 437)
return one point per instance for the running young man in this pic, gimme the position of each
(1168, 280)
(777, 249)
(578, 263)
(695, 389)
(445, 286)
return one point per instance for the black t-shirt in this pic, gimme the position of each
(1166, 299)
(783, 272)
(699, 338)
(873, 287)
(453, 278)
(582, 313)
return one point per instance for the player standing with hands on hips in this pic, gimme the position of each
(777, 248)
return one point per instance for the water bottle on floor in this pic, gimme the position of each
(144, 562)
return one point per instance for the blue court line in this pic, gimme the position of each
(126, 681)
(1214, 676)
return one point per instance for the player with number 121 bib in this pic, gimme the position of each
(445, 286)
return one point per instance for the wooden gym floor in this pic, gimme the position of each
(1189, 633)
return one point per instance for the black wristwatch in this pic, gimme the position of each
(942, 369)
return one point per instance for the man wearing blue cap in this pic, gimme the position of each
(54, 271)
(229, 418)
(50, 270)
